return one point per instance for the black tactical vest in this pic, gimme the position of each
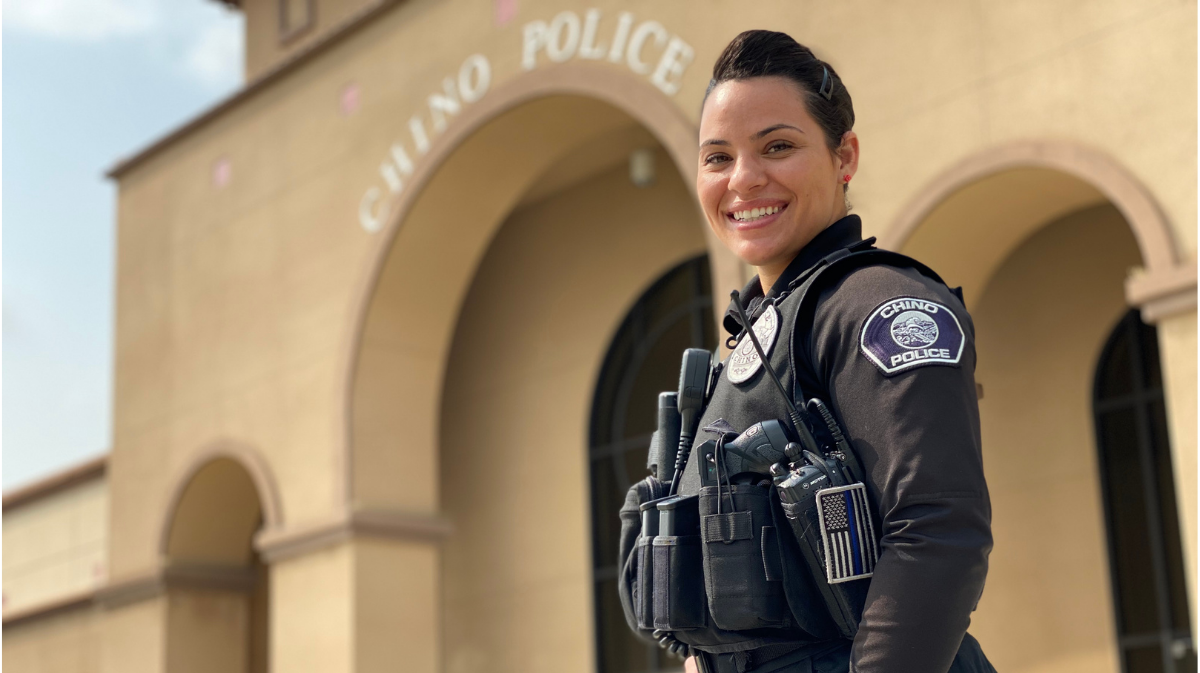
(767, 595)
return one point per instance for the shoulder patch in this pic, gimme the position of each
(907, 332)
(744, 360)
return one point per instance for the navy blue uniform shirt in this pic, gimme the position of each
(912, 416)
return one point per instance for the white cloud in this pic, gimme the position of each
(202, 38)
(85, 20)
(215, 54)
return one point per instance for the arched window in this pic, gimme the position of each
(1145, 555)
(643, 360)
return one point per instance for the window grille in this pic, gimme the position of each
(642, 361)
(1144, 549)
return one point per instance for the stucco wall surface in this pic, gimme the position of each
(56, 547)
(235, 303)
(1048, 605)
(534, 331)
(65, 643)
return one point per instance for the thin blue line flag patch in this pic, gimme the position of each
(847, 533)
(908, 332)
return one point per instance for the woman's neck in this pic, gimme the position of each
(767, 275)
(771, 271)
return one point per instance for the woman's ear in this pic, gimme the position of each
(847, 154)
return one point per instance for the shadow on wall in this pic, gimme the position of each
(547, 298)
(217, 587)
(1041, 324)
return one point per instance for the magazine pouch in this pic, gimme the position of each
(742, 572)
(632, 550)
(678, 584)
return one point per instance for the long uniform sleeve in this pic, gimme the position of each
(917, 433)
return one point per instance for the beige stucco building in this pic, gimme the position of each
(390, 320)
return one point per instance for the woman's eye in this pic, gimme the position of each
(715, 159)
(778, 147)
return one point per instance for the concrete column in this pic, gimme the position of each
(312, 612)
(397, 606)
(133, 637)
(364, 604)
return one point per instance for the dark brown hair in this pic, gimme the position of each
(766, 53)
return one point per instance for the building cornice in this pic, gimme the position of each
(137, 588)
(76, 601)
(273, 545)
(1164, 294)
(277, 545)
(59, 481)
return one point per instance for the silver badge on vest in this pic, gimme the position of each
(744, 360)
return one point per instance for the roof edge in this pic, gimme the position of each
(59, 481)
(339, 32)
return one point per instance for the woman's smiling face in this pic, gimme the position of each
(767, 180)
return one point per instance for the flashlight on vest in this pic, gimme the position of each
(666, 438)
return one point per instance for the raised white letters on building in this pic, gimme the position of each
(646, 48)
(474, 78)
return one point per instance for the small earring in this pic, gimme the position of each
(846, 178)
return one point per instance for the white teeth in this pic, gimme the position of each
(755, 213)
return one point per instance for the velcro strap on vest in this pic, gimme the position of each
(727, 527)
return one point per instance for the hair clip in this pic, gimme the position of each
(826, 85)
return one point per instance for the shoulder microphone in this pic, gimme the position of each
(693, 380)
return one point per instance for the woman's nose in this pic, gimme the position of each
(747, 176)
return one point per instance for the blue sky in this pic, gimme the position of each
(85, 82)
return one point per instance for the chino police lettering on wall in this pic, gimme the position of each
(646, 48)
(474, 78)
(566, 36)
(908, 332)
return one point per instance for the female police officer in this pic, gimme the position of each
(887, 346)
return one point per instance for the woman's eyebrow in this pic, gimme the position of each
(756, 136)
(776, 127)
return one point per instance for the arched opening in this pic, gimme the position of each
(973, 231)
(1040, 325)
(536, 134)
(546, 279)
(995, 198)
(1044, 238)
(503, 271)
(1145, 552)
(643, 360)
(218, 593)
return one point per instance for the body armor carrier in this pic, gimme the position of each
(746, 559)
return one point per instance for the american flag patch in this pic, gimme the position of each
(847, 533)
